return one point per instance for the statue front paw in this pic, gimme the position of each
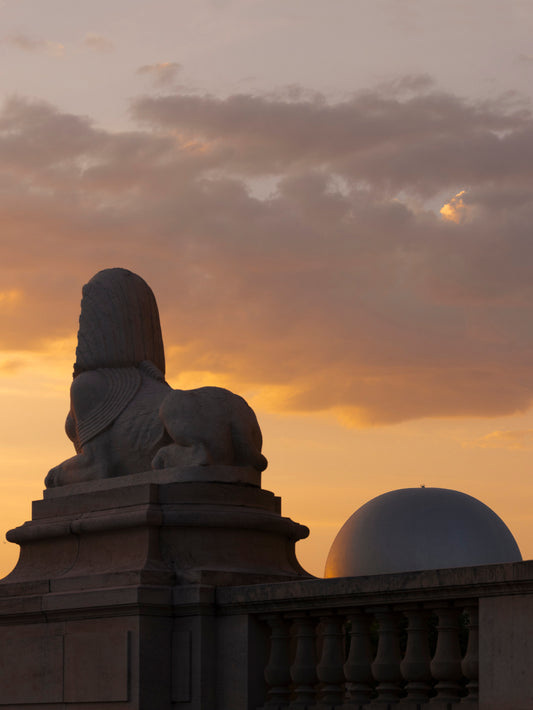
(78, 469)
(53, 478)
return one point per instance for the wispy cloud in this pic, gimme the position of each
(518, 439)
(162, 73)
(35, 44)
(9, 298)
(11, 365)
(98, 43)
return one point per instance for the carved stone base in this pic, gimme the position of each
(113, 602)
(186, 532)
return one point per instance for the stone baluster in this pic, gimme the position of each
(386, 665)
(277, 674)
(329, 670)
(415, 664)
(446, 663)
(303, 669)
(470, 663)
(357, 669)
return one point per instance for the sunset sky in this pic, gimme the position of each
(333, 203)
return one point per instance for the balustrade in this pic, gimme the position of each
(330, 671)
(470, 663)
(327, 661)
(446, 663)
(415, 666)
(303, 669)
(277, 674)
(357, 669)
(386, 665)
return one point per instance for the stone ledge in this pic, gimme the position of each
(460, 583)
(240, 475)
(189, 493)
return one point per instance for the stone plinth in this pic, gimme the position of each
(150, 528)
(92, 612)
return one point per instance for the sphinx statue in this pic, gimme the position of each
(124, 418)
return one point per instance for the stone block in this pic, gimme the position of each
(181, 666)
(242, 650)
(31, 665)
(96, 667)
(506, 652)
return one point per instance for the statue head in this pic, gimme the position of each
(119, 323)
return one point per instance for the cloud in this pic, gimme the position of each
(518, 439)
(426, 142)
(162, 74)
(34, 44)
(11, 366)
(341, 288)
(98, 42)
(9, 298)
(528, 58)
(455, 210)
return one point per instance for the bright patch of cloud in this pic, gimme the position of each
(163, 73)
(455, 209)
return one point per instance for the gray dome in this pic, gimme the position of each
(420, 528)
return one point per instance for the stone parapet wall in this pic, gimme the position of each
(188, 596)
(412, 639)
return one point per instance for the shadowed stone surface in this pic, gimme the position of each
(112, 602)
(182, 532)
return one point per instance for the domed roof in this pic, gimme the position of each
(420, 528)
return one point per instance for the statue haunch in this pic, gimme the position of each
(124, 418)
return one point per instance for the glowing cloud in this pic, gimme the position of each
(455, 209)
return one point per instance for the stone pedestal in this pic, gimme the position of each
(92, 613)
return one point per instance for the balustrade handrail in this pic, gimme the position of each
(462, 583)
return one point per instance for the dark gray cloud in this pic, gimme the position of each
(424, 142)
(162, 73)
(343, 288)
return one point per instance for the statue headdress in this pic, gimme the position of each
(119, 323)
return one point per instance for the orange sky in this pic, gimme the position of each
(323, 469)
(333, 209)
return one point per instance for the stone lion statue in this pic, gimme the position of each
(124, 418)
